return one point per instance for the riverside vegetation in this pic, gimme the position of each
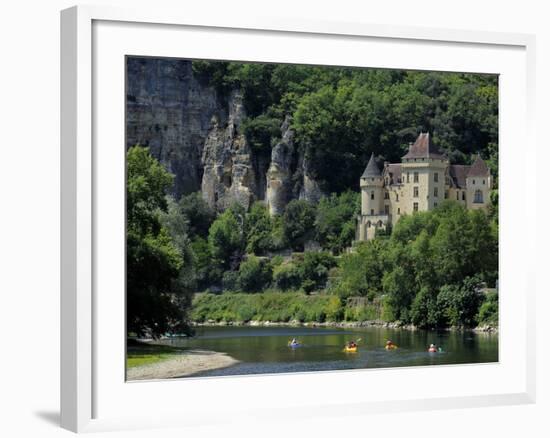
(190, 263)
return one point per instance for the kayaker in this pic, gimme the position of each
(294, 342)
(432, 348)
(389, 344)
(351, 344)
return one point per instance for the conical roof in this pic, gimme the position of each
(372, 169)
(424, 148)
(479, 168)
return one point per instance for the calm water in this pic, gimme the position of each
(265, 350)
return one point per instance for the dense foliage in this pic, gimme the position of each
(341, 115)
(432, 270)
(157, 293)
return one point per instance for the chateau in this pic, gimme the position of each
(419, 183)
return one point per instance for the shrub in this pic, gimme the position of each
(287, 276)
(230, 280)
(298, 223)
(254, 274)
(314, 270)
(488, 311)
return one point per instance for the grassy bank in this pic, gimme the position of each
(282, 307)
(285, 307)
(142, 353)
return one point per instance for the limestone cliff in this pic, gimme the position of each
(198, 136)
(228, 175)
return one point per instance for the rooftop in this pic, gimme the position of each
(479, 168)
(372, 170)
(424, 148)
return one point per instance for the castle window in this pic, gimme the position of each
(415, 192)
(436, 177)
(478, 197)
(415, 177)
(397, 197)
(368, 224)
(474, 182)
(372, 195)
(435, 204)
(415, 206)
(386, 195)
(483, 182)
(380, 223)
(457, 195)
(372, 212)
(386, 209)
(463, 196)
(407, 176)
(398, 211)
(435, 192)
(446, 194)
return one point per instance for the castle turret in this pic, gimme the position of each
(372, 202)
(478, 184)
(372, 184)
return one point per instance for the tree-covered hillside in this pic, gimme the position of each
(341, 115)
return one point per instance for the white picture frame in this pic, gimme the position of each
(92, 373)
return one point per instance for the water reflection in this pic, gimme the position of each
(266, 350)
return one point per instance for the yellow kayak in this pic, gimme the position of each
(391, 347)
(350, 349)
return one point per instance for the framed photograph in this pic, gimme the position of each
(252, 207)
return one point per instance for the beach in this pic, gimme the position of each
(181, 364)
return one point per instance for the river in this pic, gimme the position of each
(264, 350)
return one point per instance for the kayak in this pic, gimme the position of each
(350, 349)
(391, 347)
(295, 345)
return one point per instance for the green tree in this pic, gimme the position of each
(157, 299)
(198, 213)
(314, 268)
(287, 276)
(260, 230)
(298, 223)
(255, 274)
(336, 219)
(226, 239)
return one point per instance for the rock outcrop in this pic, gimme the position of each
(198, 136)
(228, 174)
(170, 111)
(280, 172)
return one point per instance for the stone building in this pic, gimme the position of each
(422, 180)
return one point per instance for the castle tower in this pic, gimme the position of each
(371, 189)
(478, 185)
(372, 201)
(424, 169)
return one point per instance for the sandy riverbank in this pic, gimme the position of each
(181, 365)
